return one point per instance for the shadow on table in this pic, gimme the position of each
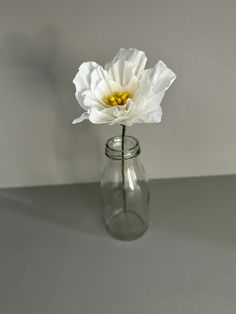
(201, 208)
(77, 206)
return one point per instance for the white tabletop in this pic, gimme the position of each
(56, 257)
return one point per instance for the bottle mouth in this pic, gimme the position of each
(113, 148)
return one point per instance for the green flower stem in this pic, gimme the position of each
(123, 166)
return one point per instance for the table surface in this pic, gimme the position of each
(56, 257)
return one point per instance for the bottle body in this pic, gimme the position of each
(125, 190)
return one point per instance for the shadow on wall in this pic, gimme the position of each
(34, 51)
(42, 54)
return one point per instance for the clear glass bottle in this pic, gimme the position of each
(125, 189)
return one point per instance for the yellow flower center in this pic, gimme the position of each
(117, 99)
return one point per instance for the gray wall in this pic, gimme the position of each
(43, 42)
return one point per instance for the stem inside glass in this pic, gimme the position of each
(123, 166)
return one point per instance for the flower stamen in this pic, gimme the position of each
(117, 99)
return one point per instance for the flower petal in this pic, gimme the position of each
(98, 75)
(82, 80)
(160, 76)
(143, 92)
(99, 116)
(153, 116)
(90, 100)
(106, 88)
(119, 120)
(134, 56)
(122, 72)
(83, 117)
(151, 102)
(148, 111)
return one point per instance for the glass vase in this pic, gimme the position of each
(125, 189)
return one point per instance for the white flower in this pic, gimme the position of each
(123, 91)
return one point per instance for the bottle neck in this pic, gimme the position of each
(131, 148)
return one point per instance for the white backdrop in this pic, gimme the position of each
(43, 42)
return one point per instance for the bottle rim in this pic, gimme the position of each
(113, 148)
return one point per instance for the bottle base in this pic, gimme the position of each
(126, 226)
